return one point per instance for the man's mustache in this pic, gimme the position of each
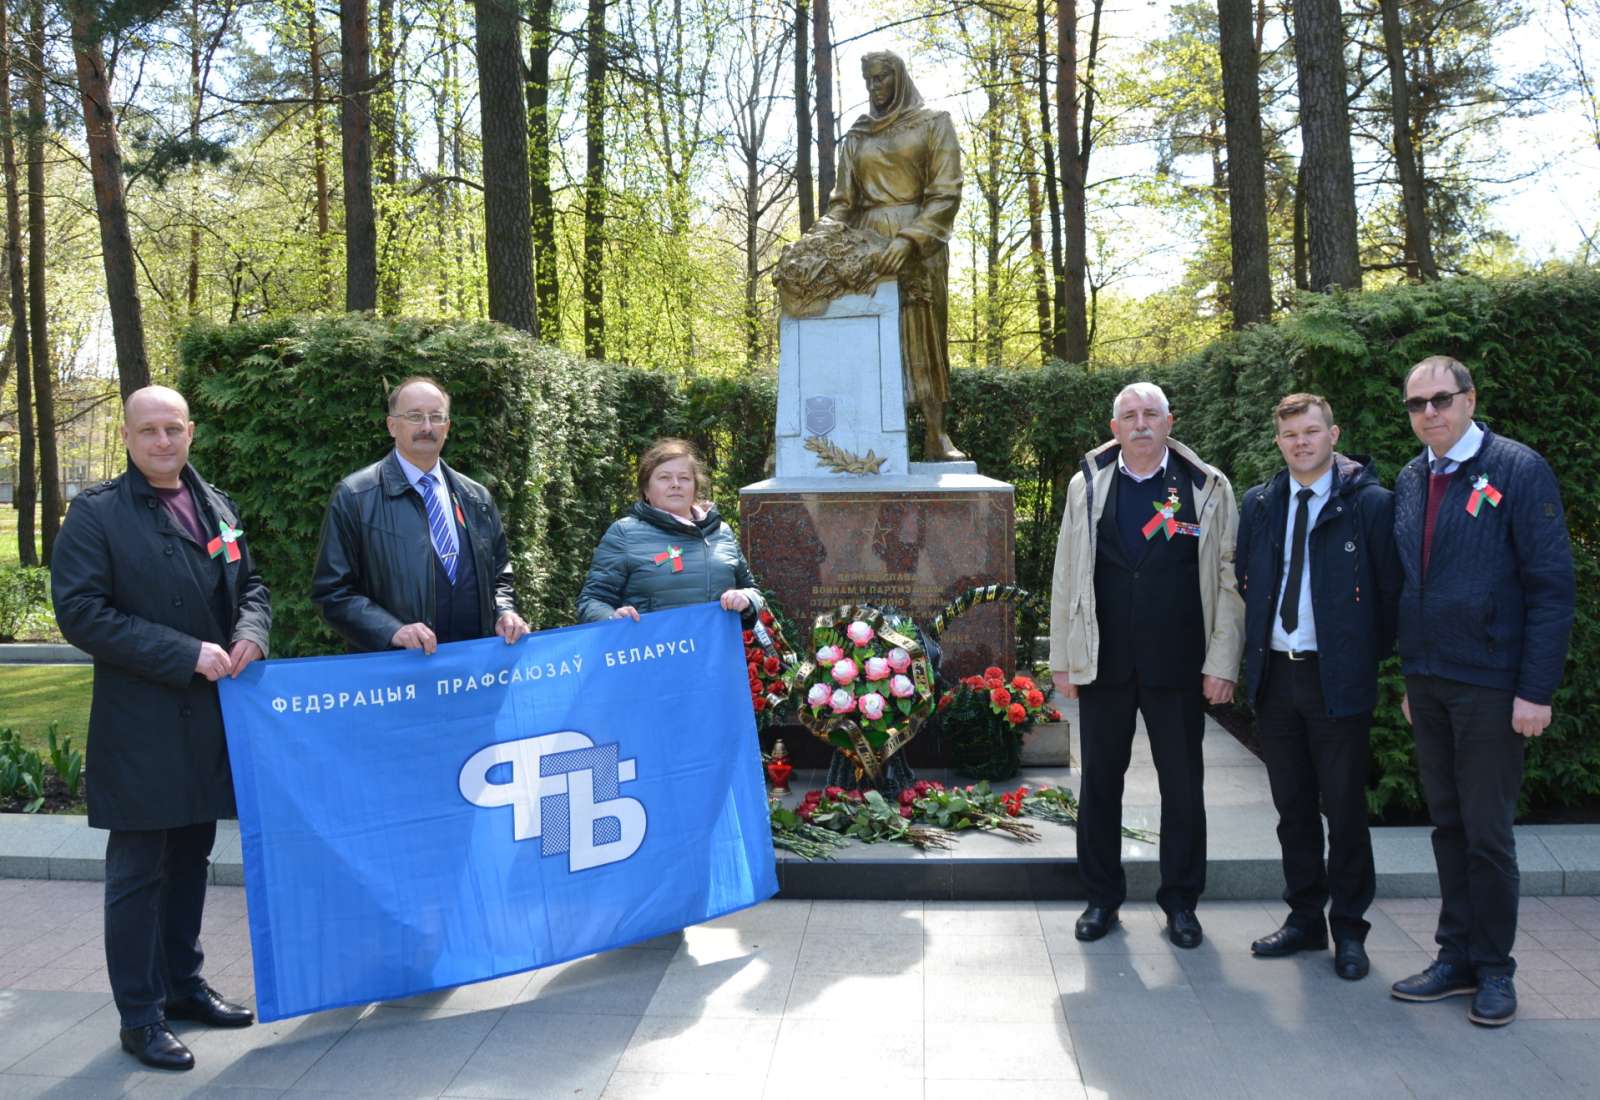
(423, 435)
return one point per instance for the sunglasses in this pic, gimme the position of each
(1439, 401)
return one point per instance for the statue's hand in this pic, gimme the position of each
(894, 256)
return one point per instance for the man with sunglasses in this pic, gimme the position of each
(1485, 612)
(413, 553)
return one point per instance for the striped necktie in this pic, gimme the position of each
(440, 528)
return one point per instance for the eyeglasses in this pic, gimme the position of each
(420, 418)
(1439, 401)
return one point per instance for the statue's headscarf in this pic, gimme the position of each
(907, 100)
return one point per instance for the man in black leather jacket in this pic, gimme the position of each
(413, 553)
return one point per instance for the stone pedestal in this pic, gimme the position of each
(832, 393)
(913, 542)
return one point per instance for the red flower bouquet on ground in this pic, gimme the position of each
(985, 717)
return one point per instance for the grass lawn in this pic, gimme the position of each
(33, 696)
(8, 534)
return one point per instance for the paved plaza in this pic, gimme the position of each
(874, 999)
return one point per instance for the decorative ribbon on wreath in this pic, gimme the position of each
(972, 597)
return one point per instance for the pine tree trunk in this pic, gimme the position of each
(1074, 318)
(386, 109)
(192, 284)
(507, 227)
(1247, 173)
(1036, 259)
(822, 59)
(546, 273)
(105, 164)
(23, 500)
(802, 114)
(1329, 177)
(319, 145)
(1058, 270)
(355, 124)
(594, 184)
(1419, 243)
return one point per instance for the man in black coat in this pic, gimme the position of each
(152, 576)
(1321, 584)
(1485, 615)
(413, 553)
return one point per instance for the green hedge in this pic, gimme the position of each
(1533, 345)
(286, 408)
(556, 438)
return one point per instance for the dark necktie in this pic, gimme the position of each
(1289, 612)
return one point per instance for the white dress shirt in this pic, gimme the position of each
(1304, 638)
(441, 488)
(1122, 464)
(1465, 448)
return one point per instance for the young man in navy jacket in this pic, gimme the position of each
(1321, 583)
(1484, 619)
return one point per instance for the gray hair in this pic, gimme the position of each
(1140, 389)
(1457, 369)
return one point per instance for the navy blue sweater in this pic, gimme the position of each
(1496, 605)
(1353, 573)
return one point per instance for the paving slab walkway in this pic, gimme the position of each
(926, 1000)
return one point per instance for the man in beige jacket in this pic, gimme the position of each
(1145, 618)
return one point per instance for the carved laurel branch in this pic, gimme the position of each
(841, 461)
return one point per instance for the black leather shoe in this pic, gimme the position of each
(1441, 979)
(207, 1006)
(1288, 940)
(1495, 1002)
(155, 1045)
(1183, 928)
(1096, 921)
(1350, 960)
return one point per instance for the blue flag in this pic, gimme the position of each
(415, 822)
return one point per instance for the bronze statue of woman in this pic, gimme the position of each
(900, 175)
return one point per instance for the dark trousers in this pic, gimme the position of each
(155, 895)
(1175, 721)
(1311, 759)
(1471, 764)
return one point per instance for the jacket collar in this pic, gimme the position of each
(394, 480)
(1106, 455)
(706, 526)
(1350, 472)
(1423, 460)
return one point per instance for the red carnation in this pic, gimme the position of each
(908, 796)
(993, 673)
(1053, 714)
(907, 812)
(806, 810)
(760, 703)
(1016, 714)
(1000, 697)
(766, 617)
(973, 681)
(1035, 698)
(833, 792)
(1022, 683)
(749, 637)
(771, 665)
(813, 797)
(944, 702)
(776, 687)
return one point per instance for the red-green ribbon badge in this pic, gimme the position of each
(461, 519)
(226, 543)
(1482, 491)
(1162, 520)
(673, 554)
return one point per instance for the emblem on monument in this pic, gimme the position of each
(820, 415)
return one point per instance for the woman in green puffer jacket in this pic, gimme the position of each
(669, 550)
